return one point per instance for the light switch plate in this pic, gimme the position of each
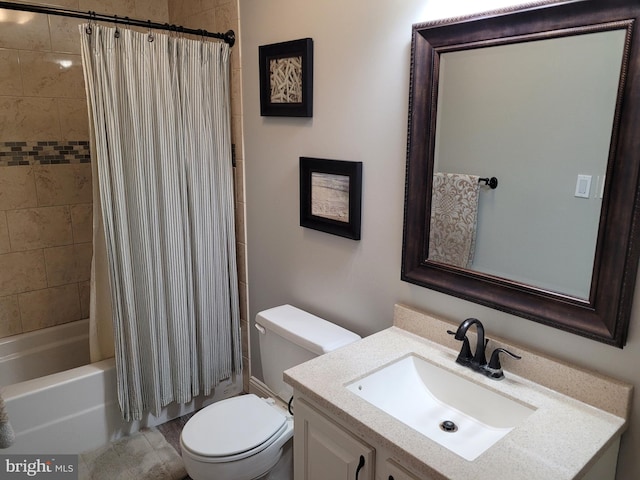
(583, 186)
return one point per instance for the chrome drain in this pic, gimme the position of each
(448, 426)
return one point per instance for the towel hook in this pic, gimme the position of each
(491, 182)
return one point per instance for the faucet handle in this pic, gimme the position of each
(465, 356)
(494, 369)
(495, 357)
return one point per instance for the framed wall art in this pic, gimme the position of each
(331, 196)
(286, 79)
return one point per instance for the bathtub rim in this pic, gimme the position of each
(30, 340)
(27, 387)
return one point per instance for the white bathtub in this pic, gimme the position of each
(39, 353)
(77, 410)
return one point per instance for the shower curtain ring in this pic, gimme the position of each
(150, 37)
(88, 29)
(115, 24)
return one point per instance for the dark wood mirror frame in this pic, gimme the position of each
(605, 315)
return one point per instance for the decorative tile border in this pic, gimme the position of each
(44, 153)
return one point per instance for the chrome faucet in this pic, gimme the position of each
(478, 361)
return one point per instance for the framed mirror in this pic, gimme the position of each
(546, 98)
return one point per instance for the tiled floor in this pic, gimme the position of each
(171, 431)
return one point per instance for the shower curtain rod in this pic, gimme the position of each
(229, 36)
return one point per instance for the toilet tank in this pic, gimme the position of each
(290, 336)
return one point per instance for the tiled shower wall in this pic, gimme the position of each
(45, 245)
(45, 177)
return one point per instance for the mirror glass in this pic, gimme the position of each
(545, 98)
(534, 228)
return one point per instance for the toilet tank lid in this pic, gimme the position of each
(302, 328)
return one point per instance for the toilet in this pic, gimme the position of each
(248, 437)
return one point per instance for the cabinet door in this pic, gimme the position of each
(323, 450)
(392, 471)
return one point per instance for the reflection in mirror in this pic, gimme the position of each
(537, 148)
(547, 99)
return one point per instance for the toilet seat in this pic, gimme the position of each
(243, 426)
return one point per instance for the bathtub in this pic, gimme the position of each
(46, 351)
(77, 410)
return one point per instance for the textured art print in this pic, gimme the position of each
(286, 80)
(330, 196)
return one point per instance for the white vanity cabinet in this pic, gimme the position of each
(573, 433)
(389, 470)
(324, 450)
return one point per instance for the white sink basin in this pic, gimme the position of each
(425, 397)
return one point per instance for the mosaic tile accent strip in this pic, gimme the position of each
(44, 152)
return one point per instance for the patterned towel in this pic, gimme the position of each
(454, 212)
(7, 435)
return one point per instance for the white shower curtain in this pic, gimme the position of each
(161, 125)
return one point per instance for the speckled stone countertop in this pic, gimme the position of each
(579, 414)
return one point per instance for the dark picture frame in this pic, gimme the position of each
(331, 196)
(286, 79)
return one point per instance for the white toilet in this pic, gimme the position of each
(243, 438)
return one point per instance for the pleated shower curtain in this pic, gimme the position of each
(160, 115)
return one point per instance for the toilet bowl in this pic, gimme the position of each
(241, 438)
(247, 437)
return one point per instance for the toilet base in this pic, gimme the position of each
(274, 463)
(283, 470)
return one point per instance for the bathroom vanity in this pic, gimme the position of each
(354, 418)
(325, 449)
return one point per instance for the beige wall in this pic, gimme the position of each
(361, 91)
(45, 177)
